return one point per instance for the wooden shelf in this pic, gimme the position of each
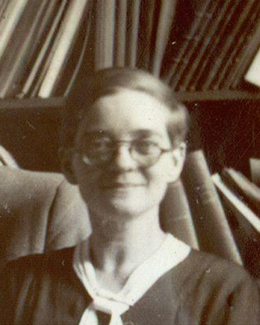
(54, 105)
(218, 96)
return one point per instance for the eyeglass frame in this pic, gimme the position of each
(114, 150)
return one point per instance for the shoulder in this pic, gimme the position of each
(39, 267)
(214, 268)
(214, 288)
(209, 276)
(47, 261)
(44, 278)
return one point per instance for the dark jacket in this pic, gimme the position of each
(201, 290)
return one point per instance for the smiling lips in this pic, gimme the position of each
(121, 185)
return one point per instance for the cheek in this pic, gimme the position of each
(87, 179)
(159, 174)
(157, 183)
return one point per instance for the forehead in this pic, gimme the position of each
(126, 111)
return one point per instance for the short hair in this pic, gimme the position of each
(111, 80)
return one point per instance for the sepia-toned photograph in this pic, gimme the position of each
(129, 162)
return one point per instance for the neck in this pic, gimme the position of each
(122, 246)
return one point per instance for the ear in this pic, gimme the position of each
(66, 156)
(177, 162)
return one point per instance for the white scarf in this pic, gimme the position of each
(170, 254)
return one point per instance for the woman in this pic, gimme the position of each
(123, 142)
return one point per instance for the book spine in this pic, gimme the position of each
(105, 32)
(30, 34)
(44, 67)
(255, 170)
(84, 53)
(6, 159)
(247, 238)
(120, 44)
(189, 48)
(248, 192)
(214, 234)
(238, 205)
(175, 215)
(200, 61)
(39, 61)
(13, 14)
(253, 73)
(166, 17)
(225, 36)
(3, 9)
(147, 26)
(21, 46)
(133, 29)
(247, 55)
(70, 26)
(230, 53)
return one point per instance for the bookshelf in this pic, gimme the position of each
(203, 49)
(201, 57)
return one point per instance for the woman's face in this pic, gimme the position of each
(121, 186)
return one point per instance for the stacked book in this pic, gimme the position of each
(218, 213)
(36, 41)
(44, 44)
(218, 50)
(241, 202)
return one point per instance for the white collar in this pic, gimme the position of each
(170, 253)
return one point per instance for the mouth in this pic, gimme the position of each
(121, 185)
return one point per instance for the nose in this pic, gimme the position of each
(122, 159)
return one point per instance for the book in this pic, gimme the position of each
(253, 72)
(229, 33)
(146, 37)
(186, 44)
(245, 190)
(166, 17)
(255, 170)
(3, 7)
(231, 54)
(43, 52)
(212, 228)
(246, 230)
(121, 24)
(132, 33)
(20, 48)
(44, 66)
(36, 24)
(105, 33)
(82, 52)
(246, 237)
(202, 58)
(175, 215)
(69, 28)
(250, 50)
(236, 204)
(9, 21)
(182, 64)
(6, 158)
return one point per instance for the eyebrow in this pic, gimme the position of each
(145, 133)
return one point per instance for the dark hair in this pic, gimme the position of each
(109, 81)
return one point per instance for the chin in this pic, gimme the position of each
(126, 209)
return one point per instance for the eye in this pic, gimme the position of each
(146, 147)
(93, 146)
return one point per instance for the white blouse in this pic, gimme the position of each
(170, 253)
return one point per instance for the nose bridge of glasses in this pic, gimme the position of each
(122, 155)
